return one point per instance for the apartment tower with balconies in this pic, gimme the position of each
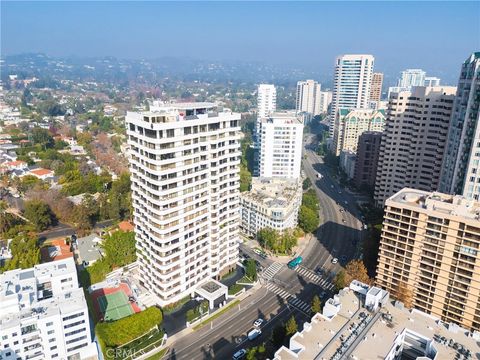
(184, 163)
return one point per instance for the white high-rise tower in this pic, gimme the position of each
(266, 100)
(353, 78)
(184, 163)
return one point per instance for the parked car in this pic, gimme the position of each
(319, 271)
(258, 322)
(334, 260)
(253, 334)
(240, 354)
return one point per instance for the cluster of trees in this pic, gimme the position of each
(24, 246)
(308, 218)
(251, 269)
(281, 334)
(278, 243)
(355, 270)
(114, 203)
(39, 214)
(256, 353)
(119, 250)
(106, 155)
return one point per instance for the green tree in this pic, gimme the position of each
(291, 326)
(7, 220)
(307, 183)
(340, 281)
(316, 304)
(267, 237)
(308, 219)
(25, 252)
(120, 248)
(39, 213)
(309, 199)
(42, 137)
(251, 269)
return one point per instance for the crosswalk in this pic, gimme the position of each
(271, 271)
(292, 300)
(315, 278)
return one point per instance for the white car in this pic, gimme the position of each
(334, 260)
(258, 322)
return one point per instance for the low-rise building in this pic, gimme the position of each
(272, 202)
(361, 322)
(44, 314)
(89, 249)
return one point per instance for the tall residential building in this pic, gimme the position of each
(266, 100)
(431, 81)
(429, 255)
(376, 88)
(461, 164)
(280, 152)
(413, 142)
(412, 77)
(368, 152)
(325, 99)
(308, 97)
(184, 164)
(44, 314)
(272, 203)
(352, 81)
(350, 124)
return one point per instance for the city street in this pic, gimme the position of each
(284, 291)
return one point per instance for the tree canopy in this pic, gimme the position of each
(308, 219)
(355, 270)
(39, 214)
(278, 243)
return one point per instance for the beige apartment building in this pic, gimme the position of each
(412, 147)
(272, 203)
(376, 88)
(429, 254)
(350, 124)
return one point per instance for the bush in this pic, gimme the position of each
(122, 331)
(235, 289)
(198, 311)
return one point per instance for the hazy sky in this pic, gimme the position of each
(435, 36)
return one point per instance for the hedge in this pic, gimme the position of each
(122, 331)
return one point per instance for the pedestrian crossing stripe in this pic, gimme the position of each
(292, 300)
(312, 276)
(271, 271)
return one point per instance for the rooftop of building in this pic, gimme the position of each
(160, 112)
(273, 192)
(371, 113)
(57, 249)
(453, 205)
(285, 117)
(347, 328)
(26, 293)
(89, 248)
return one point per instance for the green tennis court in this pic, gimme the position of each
(115, 306)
